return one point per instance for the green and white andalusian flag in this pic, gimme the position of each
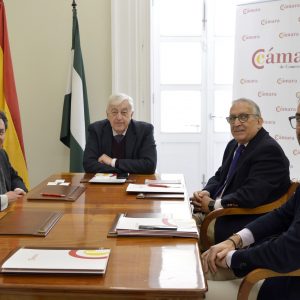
(75, 118)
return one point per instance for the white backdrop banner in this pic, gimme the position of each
(267, 67)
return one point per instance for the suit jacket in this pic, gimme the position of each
(280, 253)
(261, 176)
(12, 179)
(140, 148)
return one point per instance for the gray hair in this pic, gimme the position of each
(116, 99)
(255, 107)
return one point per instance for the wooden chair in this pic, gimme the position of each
(206, 243)
(256, 275)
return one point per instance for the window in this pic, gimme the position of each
(194, 63)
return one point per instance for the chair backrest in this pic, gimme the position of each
(256, 275)
(206, 243)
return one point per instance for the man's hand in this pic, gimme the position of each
(105, 159)
(215, 256)
(13, 196)
(200, 201)
(20, 191)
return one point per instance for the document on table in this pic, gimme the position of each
(57, 260)
(106, 178)
(162, 226)
(156, 188)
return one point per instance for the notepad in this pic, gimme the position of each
(57, 260)
(158, 226)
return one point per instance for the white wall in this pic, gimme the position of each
(40, 41)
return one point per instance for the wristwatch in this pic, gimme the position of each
(211, 205)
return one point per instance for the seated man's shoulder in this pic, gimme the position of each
(99, 124)
(3, 153)
(269, 143)
(142, 125)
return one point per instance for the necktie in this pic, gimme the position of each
(118, 137)
(231, 170)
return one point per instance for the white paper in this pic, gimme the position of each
(155, 188)
(162, 181)
(47, 260)
(106, 178)
(130, 226)
(59, 181)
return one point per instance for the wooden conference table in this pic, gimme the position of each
(138, 268)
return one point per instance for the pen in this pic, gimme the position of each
(157, 227)
(52, 195)
(158, 185)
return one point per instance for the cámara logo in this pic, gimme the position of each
(269, 21)
(289, 6)
(262, 57)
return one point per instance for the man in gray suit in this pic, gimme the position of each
(120, 144)
(12, 186)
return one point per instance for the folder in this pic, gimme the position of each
(56, 260)
(56, 192)
(155, 188)
(29, 222)
(157, 196)
(131, 225)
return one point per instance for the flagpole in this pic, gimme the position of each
(74, 4)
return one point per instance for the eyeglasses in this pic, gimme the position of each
(242, 118)
(295, 121)
(124, 113)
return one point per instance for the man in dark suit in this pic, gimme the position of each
(260, 175)
(120, 144)
(277, 242)
(12, 186)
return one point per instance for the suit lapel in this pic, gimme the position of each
(250, 147)
(107, 139)
(130, 140)
(239, 163)
(228, 161)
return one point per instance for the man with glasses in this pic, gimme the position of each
(295, 123)
(120, 144)
(254, 171)
(277, 242)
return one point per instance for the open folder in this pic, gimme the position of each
(29, 222)
(56, 192)
(157, 226)
(56, 260)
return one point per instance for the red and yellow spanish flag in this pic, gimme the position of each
(13, 144)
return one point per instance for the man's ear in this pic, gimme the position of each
(132, 114)
(260, 122)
